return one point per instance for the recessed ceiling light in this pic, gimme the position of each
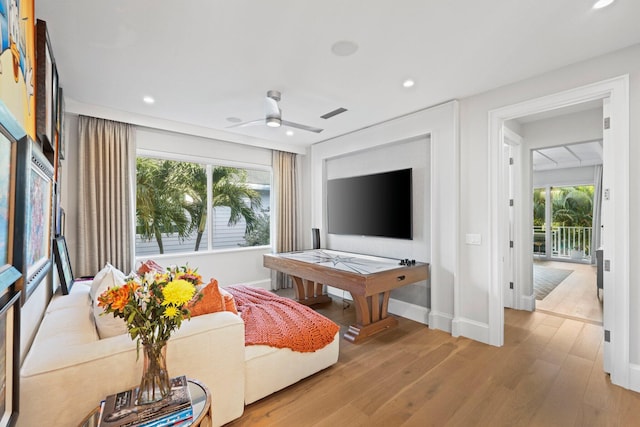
(289, 132)
(148, 100)
(408, 83)
(234, 119)
(344, 48)
(602, 4)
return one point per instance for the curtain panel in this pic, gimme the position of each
(106, 203)
(285, 180)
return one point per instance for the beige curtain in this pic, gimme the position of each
(285, 182)
(106, 199)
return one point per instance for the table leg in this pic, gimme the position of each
(371, 317)
(309, 292)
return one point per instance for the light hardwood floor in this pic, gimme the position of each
(548, 373)
(575, 296)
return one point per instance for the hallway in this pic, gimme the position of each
(575, 297)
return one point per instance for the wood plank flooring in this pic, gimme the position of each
(575, 297)
(548, 373)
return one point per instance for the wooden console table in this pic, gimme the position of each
(369, 279)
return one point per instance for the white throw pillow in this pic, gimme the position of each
(107, 325)
(97, 287)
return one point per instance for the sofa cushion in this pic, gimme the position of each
(78, 297)
(213, 300)
(106, 323)
(99, 285)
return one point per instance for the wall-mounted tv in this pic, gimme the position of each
(379, 204)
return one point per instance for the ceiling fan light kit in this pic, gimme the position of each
(273, 122)
(273, 116)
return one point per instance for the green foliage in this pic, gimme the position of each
(171, 197)
(260, 234)
(571, 206)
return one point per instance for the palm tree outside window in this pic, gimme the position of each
(189, 207)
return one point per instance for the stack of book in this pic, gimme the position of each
(120, 409)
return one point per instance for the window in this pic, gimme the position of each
(189, 207)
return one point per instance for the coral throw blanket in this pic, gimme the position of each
(281, 322)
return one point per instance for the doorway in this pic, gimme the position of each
(615, 214)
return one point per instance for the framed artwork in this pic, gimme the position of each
(64, 265)
(8, 273)
(34, 215)
(46, 89)
(60, 110)
(9, 358)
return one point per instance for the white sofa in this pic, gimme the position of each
(69, 369)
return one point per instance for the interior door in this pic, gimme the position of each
(509, 262)
(608, 231)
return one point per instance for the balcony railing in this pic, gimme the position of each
(566, 242)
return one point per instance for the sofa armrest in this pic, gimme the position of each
(62, 383)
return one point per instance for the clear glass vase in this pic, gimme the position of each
(154, 385)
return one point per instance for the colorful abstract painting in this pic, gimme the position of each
(17, 60)
(38, 229)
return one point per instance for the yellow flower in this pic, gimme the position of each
(178, 293)
(170, 311)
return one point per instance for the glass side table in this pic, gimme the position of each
(200, 399)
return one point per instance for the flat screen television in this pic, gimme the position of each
(379, 204)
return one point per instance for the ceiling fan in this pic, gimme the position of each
(273, 116)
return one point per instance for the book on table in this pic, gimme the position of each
(120, 409)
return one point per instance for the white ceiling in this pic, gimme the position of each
(567, 156)
(206, 60)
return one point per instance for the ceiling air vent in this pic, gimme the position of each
(333, 113)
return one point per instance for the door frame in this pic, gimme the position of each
(617, 91)
(514, 141)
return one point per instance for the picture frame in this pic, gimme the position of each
(65, 273)
(60, 126)
(34, 215)
(9, 275)
(46, 89)
(9, 358)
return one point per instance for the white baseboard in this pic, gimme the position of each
(441, 321)
(409, 311)
(528, 302)
(634, 377)
(471, 329)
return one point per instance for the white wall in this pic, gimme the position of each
(434, 132)
(415, 154)
(475, 195)
(582, 126)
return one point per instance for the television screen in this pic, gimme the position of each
(371, 205)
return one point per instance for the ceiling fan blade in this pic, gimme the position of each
(271, 108)
(246, 124)
(302, 127)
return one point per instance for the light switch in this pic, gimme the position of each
(473, 239)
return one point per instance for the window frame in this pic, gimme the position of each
(208, 163)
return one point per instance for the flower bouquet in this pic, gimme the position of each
(153, 305)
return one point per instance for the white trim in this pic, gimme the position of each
(527, 302)
(441, 321)
(617, 90)
(409, 311)
(471, 329)
(634, 377)
(201, 159)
